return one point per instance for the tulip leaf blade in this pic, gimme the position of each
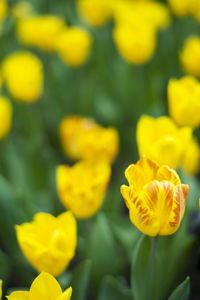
(182, 292)
(140, 271)
(111, 288)
(80, 280)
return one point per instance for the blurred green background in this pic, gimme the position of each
(114, 93)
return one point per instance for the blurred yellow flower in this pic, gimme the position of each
(95, 12)
(49, 243)
(5, 116)
(1, 282)
(22, 9)
(195, 9)
(180, 8)
(44, 287)
(161, 140)
(184, 100)
(82, 187)
(74, 45)
(136, 42)
(39, 31)
(191, 157)
(155, 197)
(23, 74)
(190, 56)
(82, 138)
(153, 13)
(3, 9)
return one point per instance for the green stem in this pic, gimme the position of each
(151, 268)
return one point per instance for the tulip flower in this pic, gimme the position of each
(161, 140)
(44, 287)
(23, 74)
(184, 100)
(5, 116)
(95, 12)
(39, 31)
(155, 197)
(151, 12)
(180, 8)
(1, 289)
(136, 42)
(47, 242)
(190, 56)
(191, 157)
(74, 45)
(82, 187)
(3, 9)
(82, 138)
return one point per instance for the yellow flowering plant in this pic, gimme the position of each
(162, 140)
(184, 101)
(74, 45)
(136, 42)
(82, 138)
(95, 12)
(44, 287)
(191, 157)
(190, 55)
(23, 75)
(82, 187)
(5, 116)
(47, 242)
(39, 31)
(155, 197)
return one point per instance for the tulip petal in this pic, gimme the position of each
(143, 172)
(19, 296)
(165, 173)
(45, 287)
(178, 209)
(66, 295)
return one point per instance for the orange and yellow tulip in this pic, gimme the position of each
(155, 197)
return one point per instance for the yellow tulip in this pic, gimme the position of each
(190, 56)
(136, 42)
(44, 287)
(74, 45)
(195, 9)
(161, 140)
(5, 116)
(3, 9)
(1, 282)
(82, 187)
(95, 12)
(184, 100)
(23, 74)
(82, 138)
(47, 242)
(191, 157)
(155, 197)
(180, 8)
(153, 13)
(39, 31)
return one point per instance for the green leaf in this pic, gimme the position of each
(80, 280)
(102, 251)
(146, 274)
(112, 289)
(182, 292)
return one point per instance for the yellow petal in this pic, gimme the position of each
(66, 295)
(143, 172)
(45, 287)
(178, 209)
(19, 296)
(165, 173)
